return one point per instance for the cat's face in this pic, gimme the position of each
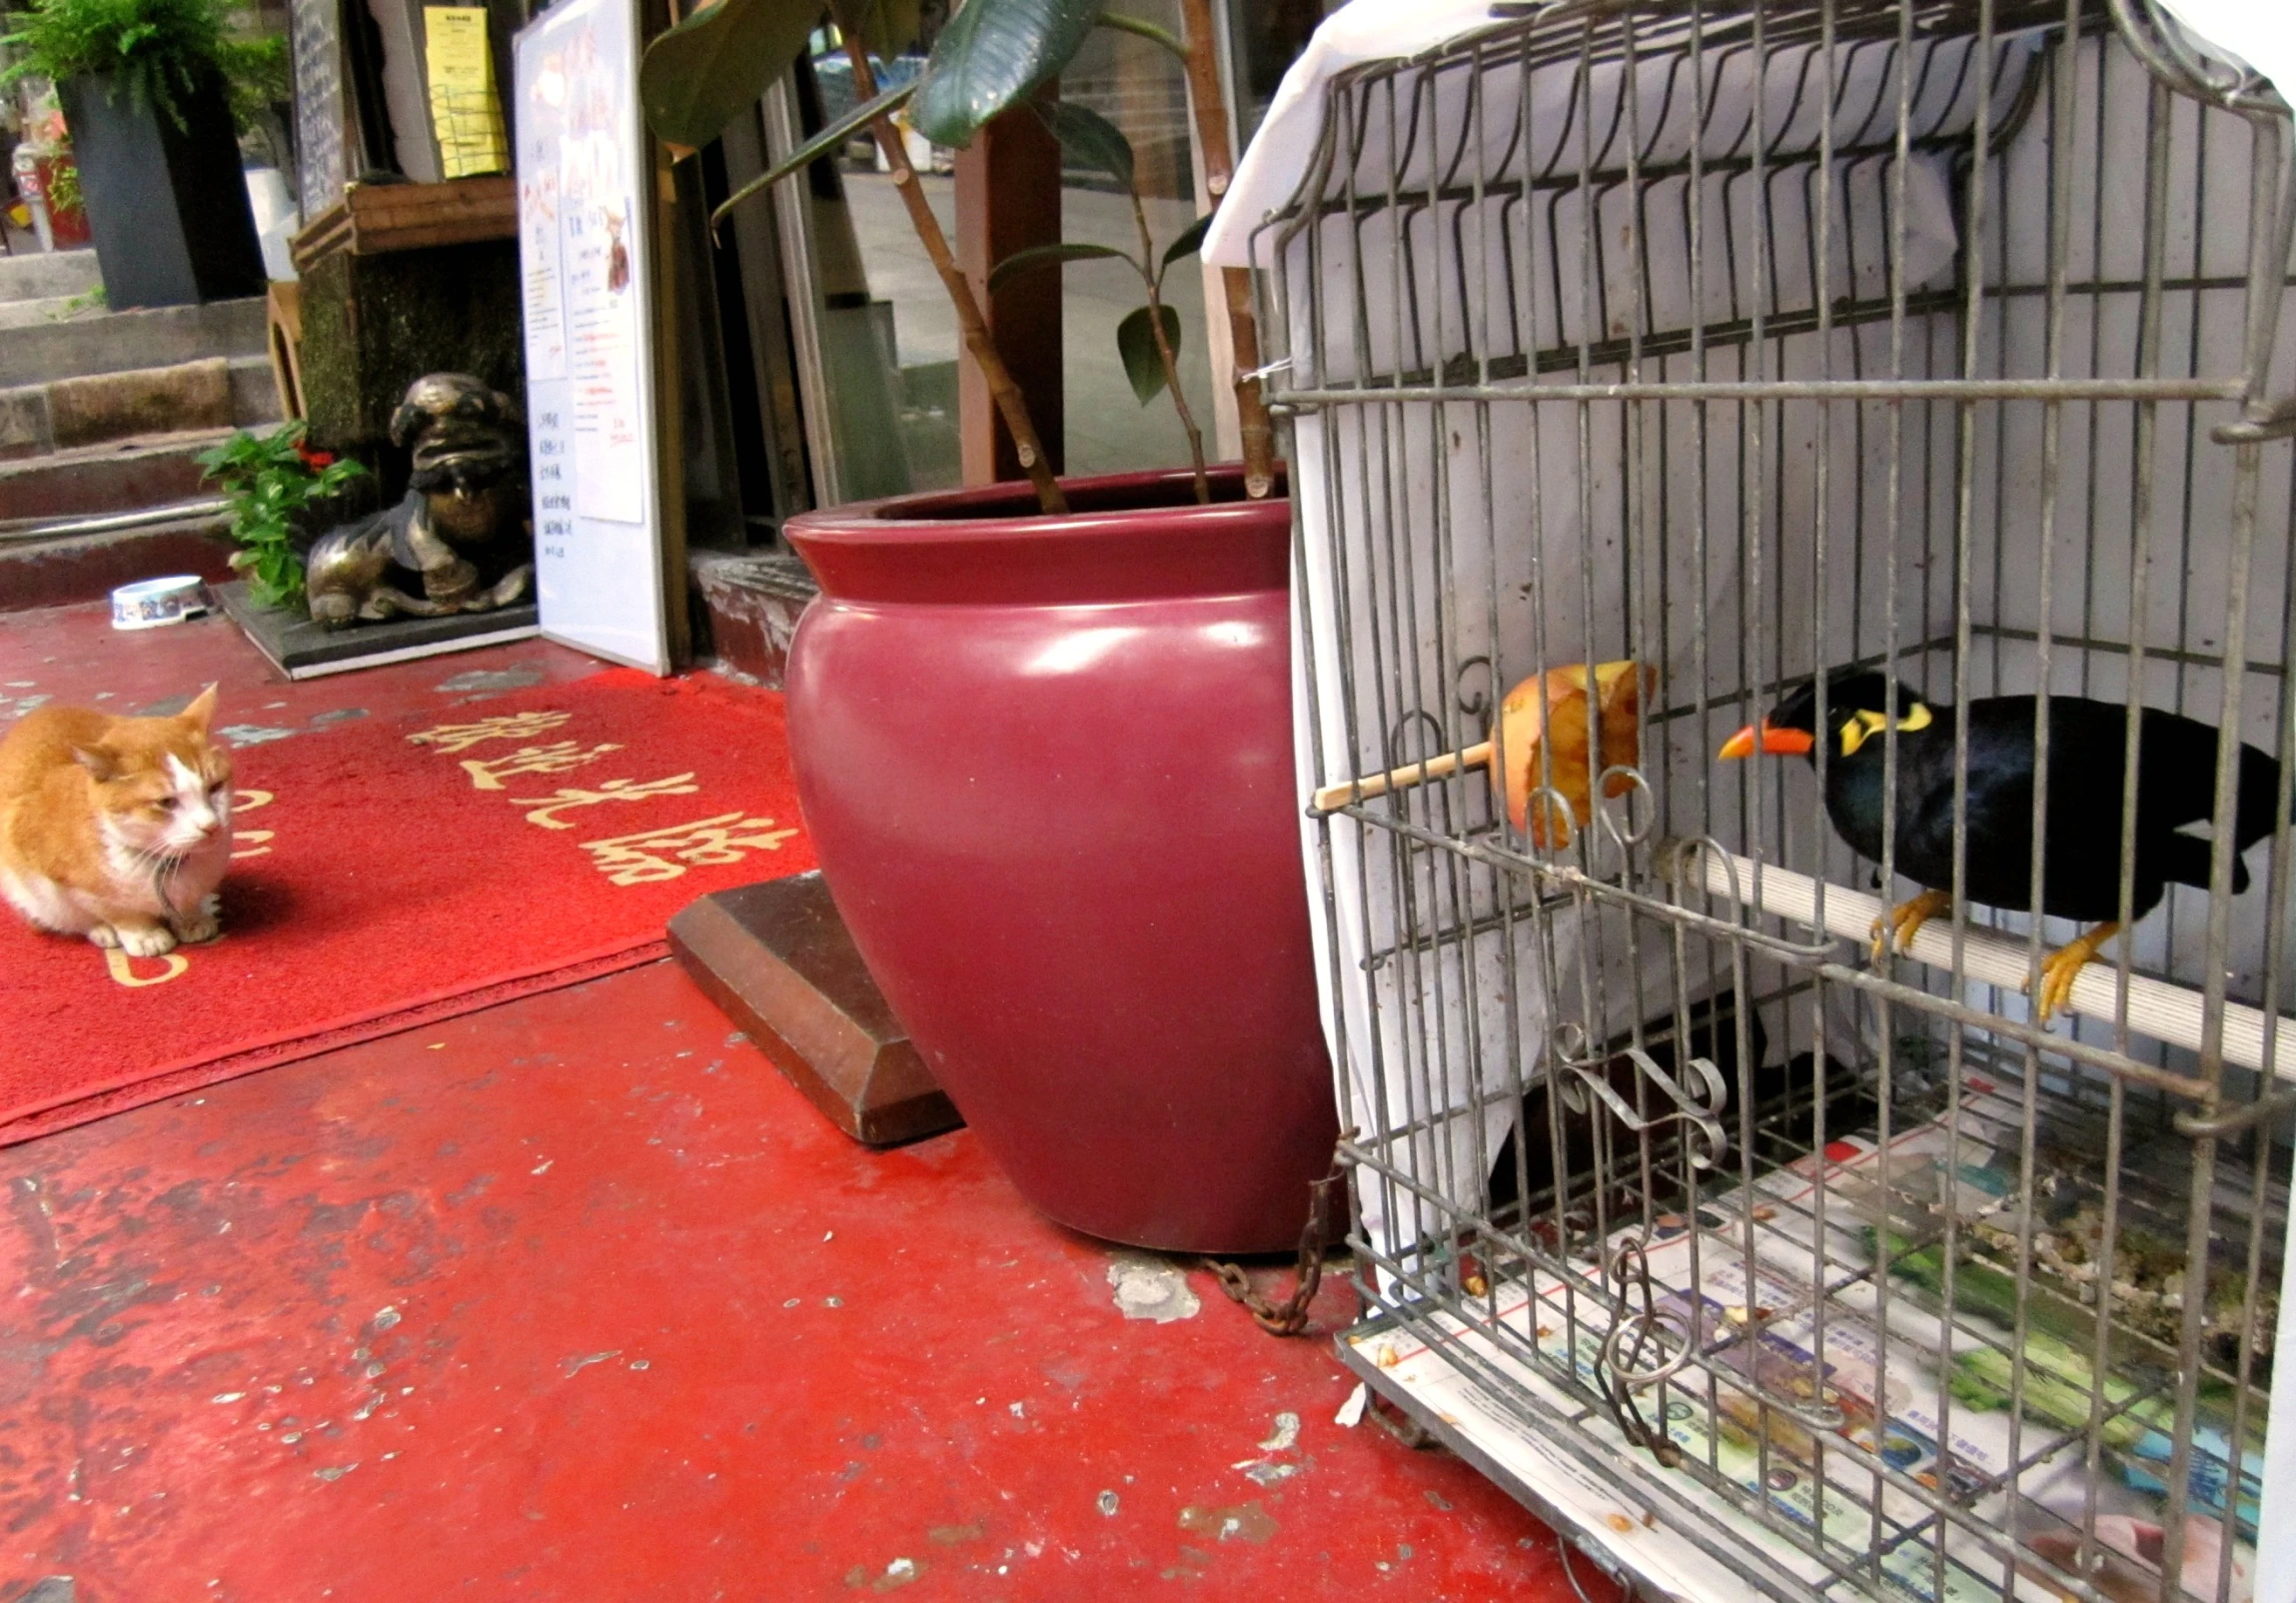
(162, 790)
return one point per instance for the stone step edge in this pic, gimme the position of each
(40, 275)
(38, 420)
(134, 338)
(95, 481)
(74, 570)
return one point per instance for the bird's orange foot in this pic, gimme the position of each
(1905, 919)
(2062, 966)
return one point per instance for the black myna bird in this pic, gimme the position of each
(2175, 787)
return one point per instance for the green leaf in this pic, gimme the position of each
(1090, 138)
(991, 57)
(820, 144)
(1187, 243)
(1136, 343)
(701, 74)
(1145, 29)
(1050, 255)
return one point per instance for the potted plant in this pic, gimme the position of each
(1042, 733)
(281, 494)
(67, 201)
(146, 87)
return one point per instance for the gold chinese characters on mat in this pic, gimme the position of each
(644, 857)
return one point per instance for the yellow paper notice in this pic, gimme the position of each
(466, 112)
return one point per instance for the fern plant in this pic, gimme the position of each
(155, 52)
(270, 479)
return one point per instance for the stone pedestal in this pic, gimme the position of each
(371, 325)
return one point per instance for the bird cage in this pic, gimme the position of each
(1784, 493)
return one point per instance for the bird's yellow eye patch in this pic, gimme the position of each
(1862, 727)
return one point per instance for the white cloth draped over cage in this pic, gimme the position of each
(2262, 37)
(1453, 546)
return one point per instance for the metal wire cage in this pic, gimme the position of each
(1658, 361)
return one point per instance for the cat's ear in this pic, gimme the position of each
(98, 761)
(200, 711)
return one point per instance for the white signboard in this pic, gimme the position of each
(587, 266)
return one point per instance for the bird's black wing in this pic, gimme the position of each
(2000, 808)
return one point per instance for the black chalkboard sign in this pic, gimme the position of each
(322, 161)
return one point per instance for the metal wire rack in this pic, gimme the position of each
(1648, 364)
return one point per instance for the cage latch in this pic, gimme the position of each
(1700, 1117)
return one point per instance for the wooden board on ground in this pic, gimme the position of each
(777, 959)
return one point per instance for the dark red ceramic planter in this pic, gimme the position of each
(1047, 766)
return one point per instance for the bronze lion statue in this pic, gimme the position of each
(460, 540)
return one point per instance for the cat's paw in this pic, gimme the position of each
(151, 941)
(104, 935)
(199, 927)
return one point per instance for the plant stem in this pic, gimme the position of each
(1010, 404)
(1211, 108)
(1164, 352)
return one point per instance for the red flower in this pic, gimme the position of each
(314, 459)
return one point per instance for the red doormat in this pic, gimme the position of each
(393, 872)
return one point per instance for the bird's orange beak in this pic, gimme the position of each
(1777, 743)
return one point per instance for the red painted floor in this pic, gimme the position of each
(577, 1299)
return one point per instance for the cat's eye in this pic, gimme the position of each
(166, 803)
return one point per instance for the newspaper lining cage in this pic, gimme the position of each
(1704, 353)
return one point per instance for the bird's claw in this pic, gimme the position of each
(2061, 967)
(2058, 976)
(1905, 919)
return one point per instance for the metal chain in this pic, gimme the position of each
(1290, 1316)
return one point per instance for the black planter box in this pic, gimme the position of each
(166, 205)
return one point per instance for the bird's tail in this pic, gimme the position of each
(2185, 860)
(2258, 804)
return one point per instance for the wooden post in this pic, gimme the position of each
(1214, 147)
(1008, 199)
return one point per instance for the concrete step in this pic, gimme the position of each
(214, 393)
(117, 476)
(85, 568)
(117, 342)
(56, 274)
(748, 610)
(47, 309)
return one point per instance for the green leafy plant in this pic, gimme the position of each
(272, 480)
(91, 300)
(1148, 340)
(152, 51)
(991, 57)
(64, 192)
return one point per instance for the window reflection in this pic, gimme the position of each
(889, 344)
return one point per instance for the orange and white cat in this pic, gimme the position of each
(116, 828)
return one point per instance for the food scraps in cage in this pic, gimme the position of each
(1778, 1381)
(1543, 732)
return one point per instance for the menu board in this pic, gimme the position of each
(315, 42)
(586, 266)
